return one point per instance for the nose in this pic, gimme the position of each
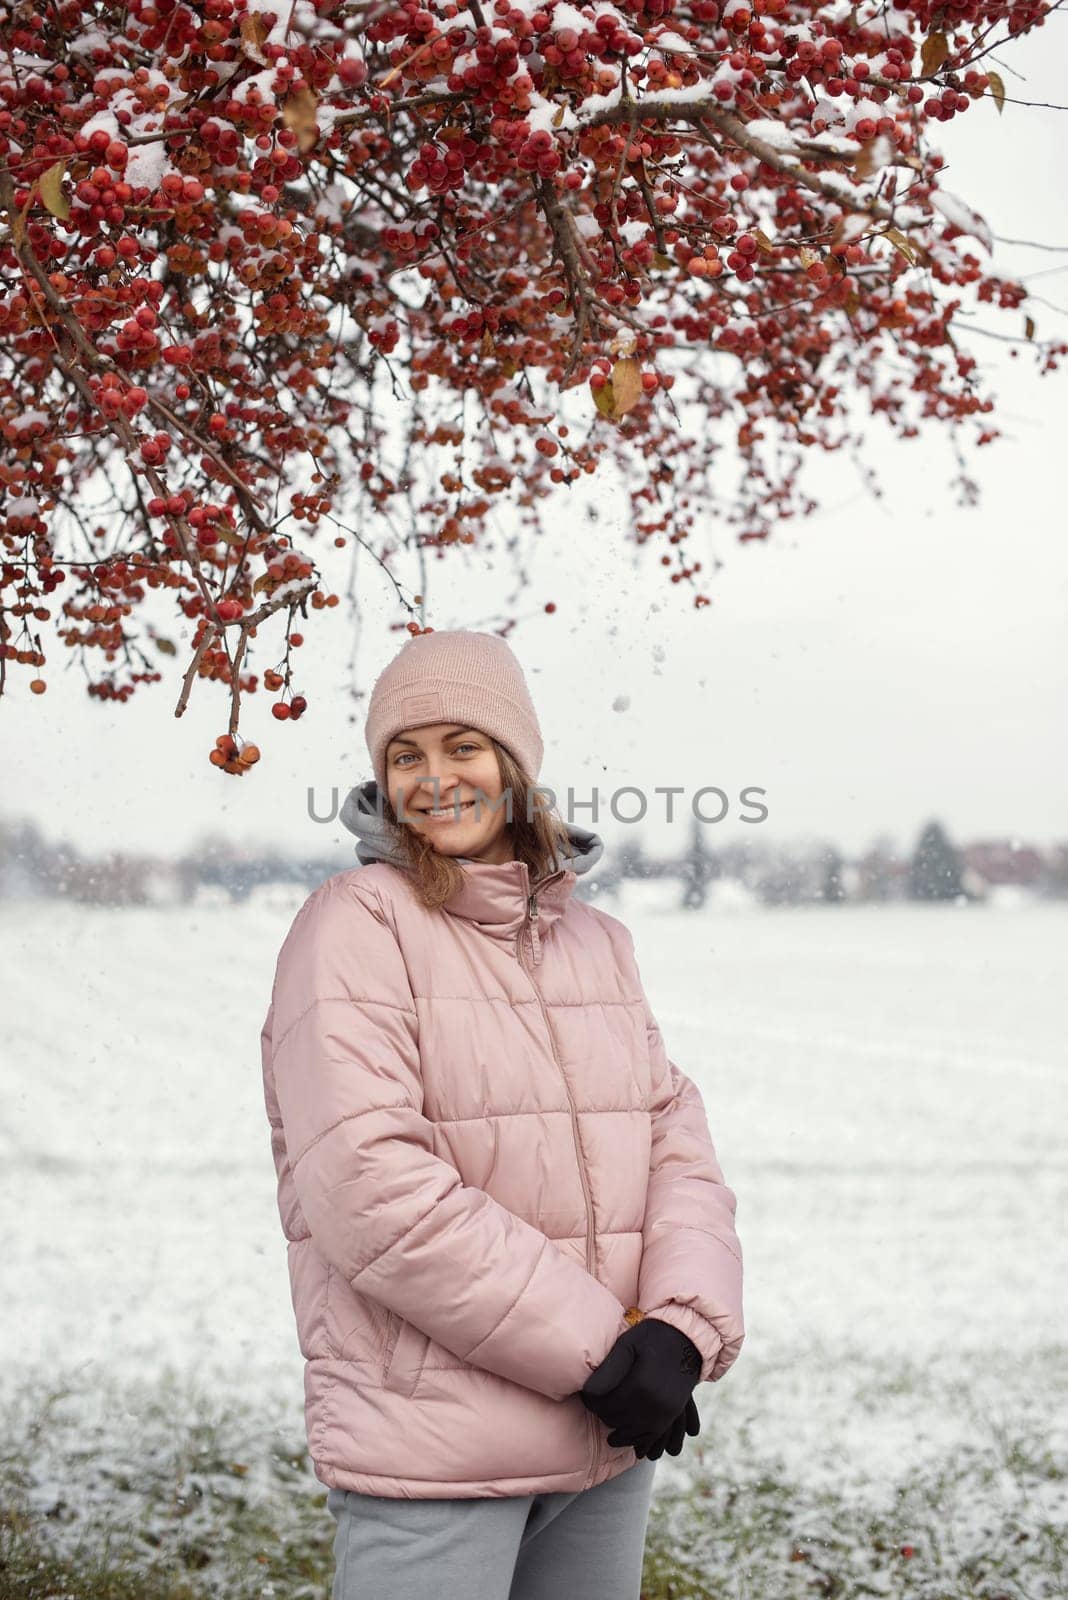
(439, 783)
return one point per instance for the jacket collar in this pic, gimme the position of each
(494, 895)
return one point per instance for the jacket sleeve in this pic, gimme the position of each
(691, 1268)
(392, 1216)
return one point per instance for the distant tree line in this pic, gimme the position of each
(806, 872)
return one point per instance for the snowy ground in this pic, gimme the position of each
(886, 1088)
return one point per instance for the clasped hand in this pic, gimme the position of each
(643, 1389)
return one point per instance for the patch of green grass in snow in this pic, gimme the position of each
(164, 1493)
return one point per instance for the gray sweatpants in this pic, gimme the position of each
(586, 1545)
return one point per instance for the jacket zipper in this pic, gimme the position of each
(532, 914)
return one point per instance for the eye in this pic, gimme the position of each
(465, 744)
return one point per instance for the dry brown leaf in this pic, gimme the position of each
(1029, 327)
(997, 89)
(873, 156)
(934, 52)
(17, 222)
(298, 114)
(254, 32)
(864, 165)
(763, 242)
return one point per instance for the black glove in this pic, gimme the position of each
(672, 1440)
(644, 1382)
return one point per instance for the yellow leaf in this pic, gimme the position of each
(997, 89)
(298, 114)
(254, 32)
(763, 242)
(50, 184)
(626, 383)
(905, 245)
(1029, 327)
(604, 399)
(261, 582)
(934, 52)
(488, 347)
(807, 257)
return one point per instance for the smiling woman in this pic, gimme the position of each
(455, 797)
(511, 1246)
(448, 792)
(441, 775)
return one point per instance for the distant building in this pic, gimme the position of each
(999, 861)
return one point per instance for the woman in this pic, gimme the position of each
(511, 1248)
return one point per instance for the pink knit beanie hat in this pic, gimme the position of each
(458, 676)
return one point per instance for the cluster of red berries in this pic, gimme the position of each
(281, 568)
(410, 241)
(237, 318)
(290, 711)
(233, 755)
(107, 689)
(440, 167)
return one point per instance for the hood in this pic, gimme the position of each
(361, 815)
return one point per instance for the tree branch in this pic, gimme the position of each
(700, 112)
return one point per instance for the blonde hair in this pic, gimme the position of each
(540, 839)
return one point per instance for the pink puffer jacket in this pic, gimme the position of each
(484, 1158)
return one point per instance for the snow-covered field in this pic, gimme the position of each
(887, 1090)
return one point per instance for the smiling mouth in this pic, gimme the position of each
(449, 811)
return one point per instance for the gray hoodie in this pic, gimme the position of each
(362, 815)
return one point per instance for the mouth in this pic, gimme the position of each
(448, 811)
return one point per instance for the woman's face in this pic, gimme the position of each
(442, 765)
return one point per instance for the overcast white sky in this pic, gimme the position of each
(872, 666)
